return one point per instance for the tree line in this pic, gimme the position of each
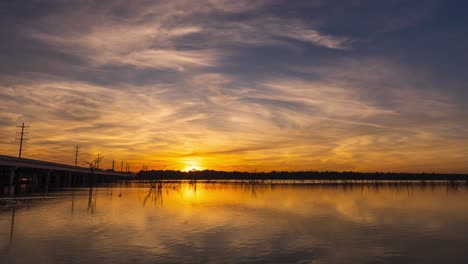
(296, 175)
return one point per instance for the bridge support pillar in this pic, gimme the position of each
(11, 180)
(57, 180)
(69, 181)
(34, 181)
(47, 181)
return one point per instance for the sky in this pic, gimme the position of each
(246, 85)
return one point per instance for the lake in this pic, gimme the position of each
(229, 222)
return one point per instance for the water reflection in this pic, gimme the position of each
(92, 199)
(73, 202)
(12, 227)
(175, 222)
(155, 195)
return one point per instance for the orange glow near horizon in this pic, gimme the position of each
(142, 92)
(192, 165)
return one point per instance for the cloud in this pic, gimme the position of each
(300, 31)
(131, 45)
(232, 84)
(191, 37)
(281, 123)
(171, 59)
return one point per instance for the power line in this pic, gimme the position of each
(21, 139)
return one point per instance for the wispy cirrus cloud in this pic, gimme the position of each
(144, 38)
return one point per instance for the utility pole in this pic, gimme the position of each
(21, 139)
(76, 154)
(113, 163)
(121, 165)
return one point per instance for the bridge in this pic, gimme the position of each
(14, 171)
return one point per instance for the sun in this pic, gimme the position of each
(192, 165)
(193, 168)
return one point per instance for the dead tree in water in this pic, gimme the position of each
(93, 166)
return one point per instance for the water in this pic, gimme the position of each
(235, 223)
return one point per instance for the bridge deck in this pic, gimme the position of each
(9, 161)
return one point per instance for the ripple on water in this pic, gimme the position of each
(227, 223)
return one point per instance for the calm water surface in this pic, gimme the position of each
(232, 223)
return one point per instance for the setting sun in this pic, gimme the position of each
(192, 165)
(193, 168)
